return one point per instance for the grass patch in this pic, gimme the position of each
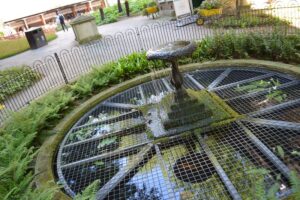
(16, 79)
(248, 20)
(12, 47)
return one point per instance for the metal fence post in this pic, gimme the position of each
(139, 38)
(61, 68)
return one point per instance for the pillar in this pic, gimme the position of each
(25, 23)
(74, 11)
(106, 3)
(89, 6)
(43, 19)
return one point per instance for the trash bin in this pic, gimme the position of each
(36, 37)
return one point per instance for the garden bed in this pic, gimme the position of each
(247, 20)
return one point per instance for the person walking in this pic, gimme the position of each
(61, 19)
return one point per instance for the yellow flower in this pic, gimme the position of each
(2, 106)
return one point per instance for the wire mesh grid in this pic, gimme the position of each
(179, 168)
(78, 177)
(250, 86)
(102, 112)
(264, 100)
(238, 75)
(189, 84)
(191, 173)
(241, 159)
(131, 96)
(284, 142)
(290, 113)
(153, 91)
(148, 181)
(206, 77)
(111, 142)
(101, 127)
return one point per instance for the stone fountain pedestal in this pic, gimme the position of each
(184, 110)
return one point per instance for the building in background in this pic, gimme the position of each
(47, 17)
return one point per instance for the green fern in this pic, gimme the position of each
(295, 183)
(89, 193)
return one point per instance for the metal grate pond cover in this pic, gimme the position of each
(255, 140)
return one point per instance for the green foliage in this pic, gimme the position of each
(137, 6)
(257, 86)
(111, 15)
(275, 46)
(15, 79)
(295, 182)
(107, 141)
(295, 153)
(211, 4)
(89, 193)
(274, 95)
(247, 20)
(12, 47)
(17, 152)
(151, 4)
(115, 72)
(280, 151)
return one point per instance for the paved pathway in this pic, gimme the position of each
(66, 40)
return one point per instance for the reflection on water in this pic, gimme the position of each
(154, 187)
(102, 129)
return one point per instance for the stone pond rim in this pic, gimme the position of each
(44, 165)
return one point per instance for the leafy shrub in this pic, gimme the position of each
(115, 72)
(15, 79)
(17, 152)
(211, 4)
(111, 15)
(137, 7)
(275, 46)
(247, 20)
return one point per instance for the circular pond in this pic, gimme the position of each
(235, 128)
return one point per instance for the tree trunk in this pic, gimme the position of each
(237, 7)
(119, 6)
(127, 8)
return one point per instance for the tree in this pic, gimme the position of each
(119, 6)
